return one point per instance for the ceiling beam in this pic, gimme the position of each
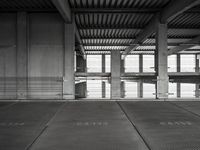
(175, 8)
(81, 48)
(124, 10)
(191, 29)
(115, 10)
(168, 13)
(128, 39)
(143, 44)
(185, 46)
(65, 11)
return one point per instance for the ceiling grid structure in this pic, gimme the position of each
(107, 25)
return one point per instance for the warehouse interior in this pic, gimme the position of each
(99, 74)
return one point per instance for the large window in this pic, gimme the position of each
(107, 89)
(131, 90)
(94, 89)
(148, 63)
(172, 90)
(187, 63)
(148, 90)
(132, 63)
(107, 59)
(172, 63)
(187, 90)
(94, 63)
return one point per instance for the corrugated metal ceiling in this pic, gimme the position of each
(118, 28)
(118, 3)
(25, 4)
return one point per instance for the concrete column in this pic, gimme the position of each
(115, 74)
(103, 89)
(140, 89)
(178, 70)
(103, 62)
(122, 89)
(22, 56)
(161, 59)
(197, 63)
(197, 70)
(140, 83)
(69, 81)
(122, 66)
(103, 65)
(140, 63)
(122, 83)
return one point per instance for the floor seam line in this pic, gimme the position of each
(134, 126)
(45, 127)
(185, 109)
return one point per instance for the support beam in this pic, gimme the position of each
(81, 48)
(115, 74)
(22, 56)
(161, 62)
(148, 30)
(183, 47)
(80, 64)
(69, 82)
(173, 9)
(65, 11)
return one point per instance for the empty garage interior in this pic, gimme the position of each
(99, 74)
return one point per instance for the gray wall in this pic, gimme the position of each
(45, 37)
(8, 55)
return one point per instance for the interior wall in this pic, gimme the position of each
(45, 36)
(8, 55)
(45, 55)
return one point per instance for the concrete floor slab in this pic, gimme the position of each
(5, 104)
(90, 126)
(21, 123)
(164, 126)
(191, 106)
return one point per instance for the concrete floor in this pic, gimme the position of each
(91, 125)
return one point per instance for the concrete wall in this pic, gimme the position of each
(8, 56)
(45, 38)
(45, 54)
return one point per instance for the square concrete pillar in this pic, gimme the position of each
(122, 89)
(69, 48)
(115, 75)
(140, 82)
(161, 62)
(178, 70)
(22, 56)
(122, 66)
(103, 70)
(197, 92)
